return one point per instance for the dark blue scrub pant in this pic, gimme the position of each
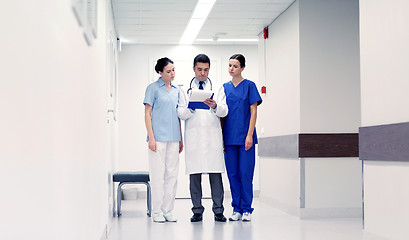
(240, 171)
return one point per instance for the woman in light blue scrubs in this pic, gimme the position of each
(240, 137)
(164, 140)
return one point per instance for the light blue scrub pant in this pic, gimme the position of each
(240, 171)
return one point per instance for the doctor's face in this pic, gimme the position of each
(201, 71)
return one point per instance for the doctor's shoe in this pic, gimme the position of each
(219, 217)
(246, 217)
(197, 217)
(235, 217)
(170, 218)
(159, 218)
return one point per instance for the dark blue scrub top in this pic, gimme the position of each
(239, 99)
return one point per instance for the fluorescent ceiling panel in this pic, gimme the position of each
(196, 22)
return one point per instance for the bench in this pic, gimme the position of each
(124, 178)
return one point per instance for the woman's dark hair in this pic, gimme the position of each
(162, 63)
(240, 58)
(203, 58)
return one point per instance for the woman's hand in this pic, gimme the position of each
(152, 144)
(253, 116)
(249, 142)
(180, 146)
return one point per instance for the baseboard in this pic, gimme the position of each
(289, 209)
(309, 213)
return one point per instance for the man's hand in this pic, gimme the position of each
(211, 103)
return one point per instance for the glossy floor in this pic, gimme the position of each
(267, 223)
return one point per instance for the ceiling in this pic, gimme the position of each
(163, 21)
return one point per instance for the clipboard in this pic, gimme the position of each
(197, 98)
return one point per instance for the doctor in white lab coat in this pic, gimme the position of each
(204, 140)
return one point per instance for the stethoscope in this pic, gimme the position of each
(190, 85)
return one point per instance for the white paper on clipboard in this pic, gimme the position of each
(200, 95)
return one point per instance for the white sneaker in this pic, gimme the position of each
(170, 218)
(159, 218)
(246, 217)
(235, 217)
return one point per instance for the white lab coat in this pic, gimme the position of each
(203, 133)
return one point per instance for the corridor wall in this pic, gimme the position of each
(311, 71)
(54, 135)
(384, 89)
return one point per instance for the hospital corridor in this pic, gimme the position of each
(309, 96)
(267, 223)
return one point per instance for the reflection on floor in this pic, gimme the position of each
(267, 224)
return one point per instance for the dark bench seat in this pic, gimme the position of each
(132, 178)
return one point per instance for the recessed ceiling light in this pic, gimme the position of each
(197, 20)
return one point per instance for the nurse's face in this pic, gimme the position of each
(201, 71)
(234, 68)
(168, 73)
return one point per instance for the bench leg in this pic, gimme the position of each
(148, 198)
(119, 198)
(113, 199)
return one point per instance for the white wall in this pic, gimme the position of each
(329, 69)
(333, 183)
(330, 98)
(385, 56)
(280, 183)
(386, 199)
(136, 71)
(384, 87)
(53, 125)
(311, 66)
(280, 112)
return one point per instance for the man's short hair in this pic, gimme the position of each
(203, 58)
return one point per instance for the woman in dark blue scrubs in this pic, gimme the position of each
(240, 137)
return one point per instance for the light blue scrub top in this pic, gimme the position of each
(165, 121)
(239, 99)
